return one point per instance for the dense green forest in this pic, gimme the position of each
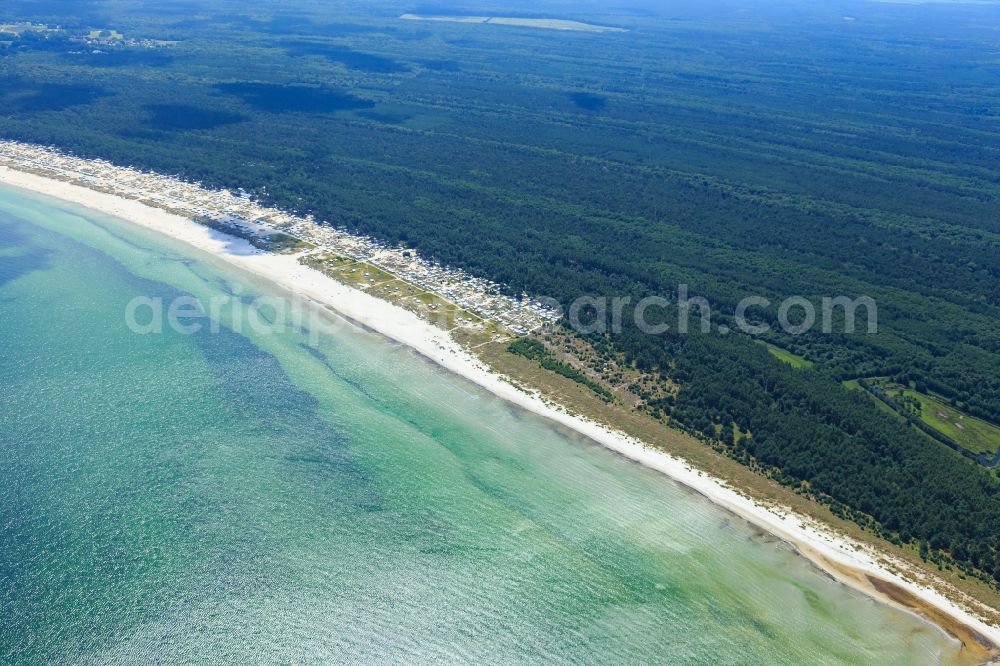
(770, 149)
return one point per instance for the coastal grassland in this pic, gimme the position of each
(971, 433)
(609, 374)
(967, 431)
(788, 357)
(354, 273)
(536, 351)
(282, 243)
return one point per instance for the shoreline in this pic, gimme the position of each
(851, 563)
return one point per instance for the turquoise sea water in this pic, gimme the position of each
(229, 497)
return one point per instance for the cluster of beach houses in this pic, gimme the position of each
(242, 214)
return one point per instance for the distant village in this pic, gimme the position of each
(246, 217)
(94, 39)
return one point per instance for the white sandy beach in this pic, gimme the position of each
(834, 554)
